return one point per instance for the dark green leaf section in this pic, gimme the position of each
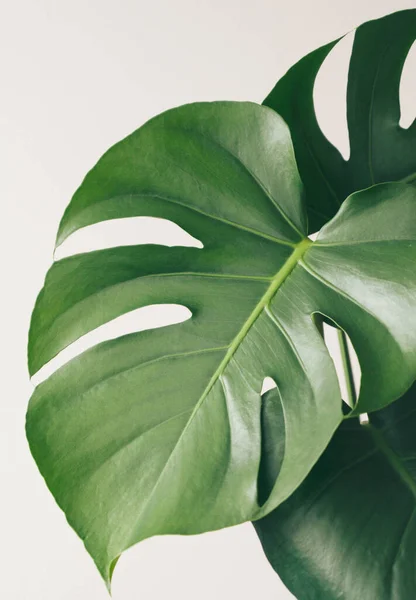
(272, 442)
(380, 149)
(319, 162)
(349, 531)
(160, 431)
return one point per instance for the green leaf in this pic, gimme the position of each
(160, 431)
(380, 149)
(349, 531)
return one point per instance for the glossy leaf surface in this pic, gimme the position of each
(380, 150)
(160, 431)
(349, 531)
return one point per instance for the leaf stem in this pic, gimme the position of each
(347, 365)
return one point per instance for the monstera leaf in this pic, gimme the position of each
(380, 150)
(349, 531)
(160, 431)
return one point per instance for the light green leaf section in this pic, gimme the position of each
(160, 431)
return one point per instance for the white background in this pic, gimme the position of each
(77, 76)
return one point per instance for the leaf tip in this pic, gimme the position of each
(108, 577)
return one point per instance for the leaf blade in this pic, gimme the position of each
(160, 431)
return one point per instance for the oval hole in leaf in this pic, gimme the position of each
(126, 232)
(330, 95)
(268, 384)
(408, 90)
(272, 439)
(147, 317)
(331, 338)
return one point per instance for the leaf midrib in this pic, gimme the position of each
(392, 458)
(319, 244)
(276, 282)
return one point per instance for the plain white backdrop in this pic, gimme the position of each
(77, 76)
